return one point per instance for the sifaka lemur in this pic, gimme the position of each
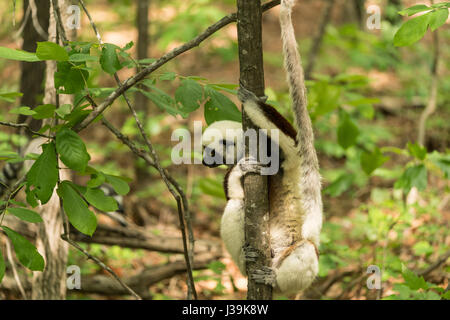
(294, 192)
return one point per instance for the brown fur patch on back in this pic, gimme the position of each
(274, 116)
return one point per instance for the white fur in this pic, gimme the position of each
(298, 218)
(232, 231)
(225, 129)
(298, 270)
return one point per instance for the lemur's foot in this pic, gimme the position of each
(265, 275)
(245, 95)
(251, 254)
(250, 165)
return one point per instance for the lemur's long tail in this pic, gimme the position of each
(295, 77)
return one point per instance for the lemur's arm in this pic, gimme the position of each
(267, 117)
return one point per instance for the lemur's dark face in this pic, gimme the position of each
(209, 158)
(222, 144)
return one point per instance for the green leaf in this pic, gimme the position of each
(431, 295)
(340, 185)
(415, 176)
(20, 55)
(446, 295)
(76, 209)
(442, 161)
(10, 96)
(161, 99)
(219, 107)
(25, 214)
(44, 111)
(97, 179)
(97, 198)
(211, 187)
(2, 267)
(189, 94)
(70, 78)
(324, 97)
(72, 150)
(422, 247)
(109, 59)
(412, 31)
(26, 252)
(347, 133)
(417, 151)
(168, 76)
(63, 110)
(43, 174)
(51, 51)
(414, 9)
(216, 266)
(119, 184)
(226, 87)
(26, 111)
(438, 18)
(82, 57)
(413, 281)
(371, 161)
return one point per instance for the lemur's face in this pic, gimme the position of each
(222, 143)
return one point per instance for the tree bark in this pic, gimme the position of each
(32, 73)
(51, 283)
(360, 12)
(255, 186)
(143, 43)
(317, 42)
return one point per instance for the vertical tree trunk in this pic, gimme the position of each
(32, 73)
(142, 45)
(51, 283)
(255, 186)
(317, 42)
(359, 6)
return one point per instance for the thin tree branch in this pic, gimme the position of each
(130, 82)
(13, 267)
(91, 21)
(155, 158)
(24, 23)
(66, 235)
(66, 238)
(104, 285)
(12, 192)
(440, 260)
(189, 251)
(317, 42)
(24, 126)
(34, 18)
(432, 102)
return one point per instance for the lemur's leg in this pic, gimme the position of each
(294, 270)
(232, 231)
(233, 219)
